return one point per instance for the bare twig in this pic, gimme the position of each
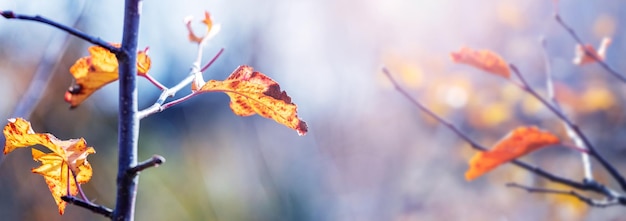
(475, 145)
(589, 201)
(592, 150)
(570, 132)
(99, 209)
(72, 31)
(154, 161)
(589, 53)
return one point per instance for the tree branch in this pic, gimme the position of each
(128, 122)
(72, 31)
(155, 161)
(99, 209)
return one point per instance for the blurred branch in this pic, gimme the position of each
(99, 209)
(592, 202)
(592, 150)
(589, 53)
(155, 161)
(160, 104)
(570, 132)
(70, 30)
(536, 170)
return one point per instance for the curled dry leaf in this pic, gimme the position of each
(253, 92)
(212, 29)
(96, 70)
(582, 57)
(67, 159)
(485, 60)
(517, 143)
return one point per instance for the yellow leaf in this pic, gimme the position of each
(482, 59)
(67, 160)
(99, 69)
(253, 92)
(517, 143)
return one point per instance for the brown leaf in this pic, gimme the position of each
(253, 92)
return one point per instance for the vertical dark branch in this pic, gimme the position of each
(128, 123)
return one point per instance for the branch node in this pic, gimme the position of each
(155, 161)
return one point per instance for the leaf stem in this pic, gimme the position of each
(72, 31)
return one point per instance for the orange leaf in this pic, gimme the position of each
(482, 59)
(67, 159)
(211, 29)
(99, 69)
(517, 143)
(253, 92)
(583, 58)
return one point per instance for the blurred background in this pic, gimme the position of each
(369, 154)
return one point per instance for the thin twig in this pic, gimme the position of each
(212, 60)
(99, 209)
(155, 161)
(570, 132)
(475, 145)
(155, 82)
(587, 50)
(160, 105)
(589, 201)
(592, 150)
(72, 31)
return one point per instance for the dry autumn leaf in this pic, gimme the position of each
(485, 60)
(253, 92)
(99, 69)
(582, 58)
(63, 168)
(517, 143)
(212, 29)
